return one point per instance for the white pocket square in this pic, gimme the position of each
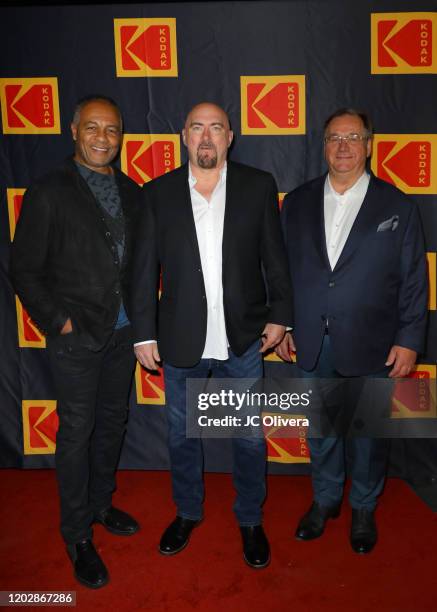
(389, 225)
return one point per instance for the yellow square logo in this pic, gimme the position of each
(408, 161)
(416, 400)
(30, 106)
(147, 156)
(272, 105)
(29, 335)
(146, 47)
(403, 43)
(40, 424)
(149, 386)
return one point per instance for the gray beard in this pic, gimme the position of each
(206, 162)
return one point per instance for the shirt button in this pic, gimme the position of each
(108, 234)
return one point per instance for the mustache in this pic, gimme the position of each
(206, 145)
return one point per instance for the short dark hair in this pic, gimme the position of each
(93, 98)
(354, 113)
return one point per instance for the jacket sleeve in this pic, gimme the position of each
(275, 263)
(413, 293)
(30, 262)
(144, 275)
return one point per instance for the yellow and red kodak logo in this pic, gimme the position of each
(416, 400)
(40, 424)
(273, 104)
(30, 106)
(149, 386)
(408, 161)
(28, 334)
(146, 47)
(146, 156)
(432, 280)
(286, 449)
(403, 43)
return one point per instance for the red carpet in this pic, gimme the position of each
(210, 575)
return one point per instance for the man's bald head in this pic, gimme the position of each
(207, 135)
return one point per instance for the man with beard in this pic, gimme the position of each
(212, 226)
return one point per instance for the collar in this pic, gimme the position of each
(359, 185)
(192, 179)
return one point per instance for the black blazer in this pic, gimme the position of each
(63, 259)
(375, 297)
(256, 286)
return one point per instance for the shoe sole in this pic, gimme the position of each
(169, 553)
(90, 585)
(256, 566)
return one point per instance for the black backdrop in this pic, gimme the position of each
(331, 52)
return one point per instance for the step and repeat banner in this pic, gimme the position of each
(279, 69)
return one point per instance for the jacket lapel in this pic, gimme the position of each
(184, 211)
(317, 220)
(362, 225)
(231, 208)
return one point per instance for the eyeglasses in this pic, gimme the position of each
(351, 139)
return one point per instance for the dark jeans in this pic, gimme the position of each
(186, 454)
(369, 455)
(92, 390)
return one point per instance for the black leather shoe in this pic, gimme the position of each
(176, 536)
(256, 549)
(116, 521)
(89, 569)
(312, 524)
(363, 531)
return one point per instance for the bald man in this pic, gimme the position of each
(212, 226)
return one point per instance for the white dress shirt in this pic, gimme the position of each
(341, 210)
(209, 218)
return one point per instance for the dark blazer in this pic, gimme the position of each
(375, 297)
(256, 286)
(63, 259)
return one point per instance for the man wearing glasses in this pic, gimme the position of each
(358, 269)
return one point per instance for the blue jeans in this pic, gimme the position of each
(328, 454)
(186, 454)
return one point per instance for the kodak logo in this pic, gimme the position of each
(272, 105)
(145, 47)
(403, 43)
(146, 156)
(416, 400)
(40, 424)
(30, 106)
(28, 334)
(407, 161)
(149, 386)
(286, 449)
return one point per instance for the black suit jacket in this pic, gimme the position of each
(64, 260)
(375, 297)
(256, 286)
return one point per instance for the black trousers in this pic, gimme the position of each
(92, 391)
